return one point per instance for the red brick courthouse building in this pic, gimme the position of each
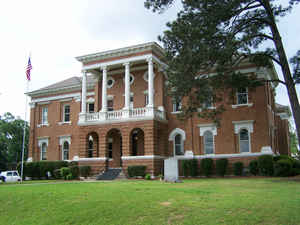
(118, 114)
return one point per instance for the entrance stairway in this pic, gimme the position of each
(111, 174)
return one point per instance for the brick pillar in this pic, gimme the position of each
(102, 144)
(126, 145)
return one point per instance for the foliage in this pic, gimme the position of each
(56, 174)
(147, 176)
(65, 172)
(11, 140)
(221, 166)
(253, 167)
(206, 166)
(190, 167)
(293, 143)
(39, 169)
(84, 171)
(219, 37)
(283, 168)
(74, 171)
(238, 168)
(136, 171)
(265, 165)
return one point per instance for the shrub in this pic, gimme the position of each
(221, 166)
(69, 177)
(56, 174)
(253, 167)
(238, 168)
(148, 176)
(186, 168)
(194, 167)
(296, 168)
(283, 168)
(206, 166)
(74, 171)
(84, 171)
(265, 165)
(64, 172)
(135, 171)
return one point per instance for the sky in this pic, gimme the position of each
(55, 32)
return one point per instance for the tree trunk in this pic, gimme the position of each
(285, 69)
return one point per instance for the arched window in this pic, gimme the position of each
(178, 145)
(65, 151)
(90, 148)
(244, 140)
(208, 142)
(44, 152)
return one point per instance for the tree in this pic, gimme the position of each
(293, 143)
(11, 140)
(210, 35)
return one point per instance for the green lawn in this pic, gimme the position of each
(203, 201)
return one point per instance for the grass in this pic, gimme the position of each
(203, 201)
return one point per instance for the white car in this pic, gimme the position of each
(10, 176)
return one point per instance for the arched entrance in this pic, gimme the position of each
(114, 148)
(137, 142)
(92, 145)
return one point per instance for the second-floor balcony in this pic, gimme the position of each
(135, 114)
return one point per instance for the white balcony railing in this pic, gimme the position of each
(122, 115)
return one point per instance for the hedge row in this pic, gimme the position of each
(265, 165)
(57, 170)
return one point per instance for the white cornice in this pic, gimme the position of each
(122, 52)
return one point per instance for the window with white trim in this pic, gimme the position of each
(65, 151)
(242, 96)
(146, 99)
(131, 102)
(208, 103)
(244, 140)
(66, 113)
(44, 151)
(90, 148)
(146, 76)
(178, 143)
(110, 82)
(177, 105)
(45, 115)
(110, 105)
(208, 138)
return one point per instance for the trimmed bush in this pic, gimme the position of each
(194, 167)
(64, 172)
(238, 168)
(266, 165)
(56, 174)
(148, 176)
(74, 171)
(135, 171)
(221, 166)
(190, 167)
(84, 171)
(283, 168)
(206, 166)
(253, 167)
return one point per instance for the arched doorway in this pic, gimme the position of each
(114, 148)
(137, 142)
(92, 145)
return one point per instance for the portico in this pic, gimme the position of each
(105, 64)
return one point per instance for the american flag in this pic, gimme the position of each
(28, 69)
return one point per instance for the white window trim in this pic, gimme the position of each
(44, 122)
(63, 150)
(237, 96)
(213, 142)
(88, 107)
(249, 136)
(63, 119)
(172, 138)
(130, 82)
(41, 141)
(207, 127)
(178, 111)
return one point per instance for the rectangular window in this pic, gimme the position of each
(110, 105)
(177, 106)
(242, 96)
(208, 103)
(131, 102)
(91, 107)
(66, 115)
(44, 115)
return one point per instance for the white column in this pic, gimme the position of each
(104, 89)
(150, 83)
(127, 86)
(83, 93)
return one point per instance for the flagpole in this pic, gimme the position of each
(24, 131)
(28, 69)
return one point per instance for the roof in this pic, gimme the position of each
(283, 110)
(70, 84)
